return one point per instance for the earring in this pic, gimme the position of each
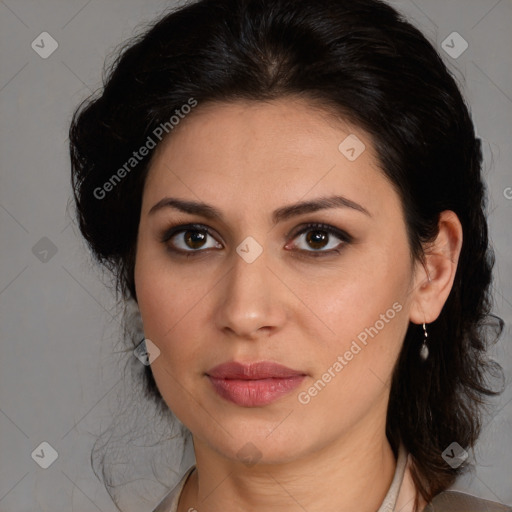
(424, 347)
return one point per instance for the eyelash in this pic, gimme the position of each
(331, 230)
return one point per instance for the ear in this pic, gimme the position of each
(433, 280)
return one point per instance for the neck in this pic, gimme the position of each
(346, 475)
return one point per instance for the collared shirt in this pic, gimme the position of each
(399, 498)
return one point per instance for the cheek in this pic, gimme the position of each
(359, 295)
(163, 295)
(171, 305)
(367, 334)
(354, 367)
(365, 311)
(166, 313)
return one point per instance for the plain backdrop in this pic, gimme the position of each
(58, 320)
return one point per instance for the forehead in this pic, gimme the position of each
(266, 152)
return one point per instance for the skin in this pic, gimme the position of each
(247, 159)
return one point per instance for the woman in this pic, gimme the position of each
(291, 192)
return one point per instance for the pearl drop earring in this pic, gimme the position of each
(424, 347)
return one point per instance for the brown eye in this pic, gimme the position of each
(188, 239)
(194, 239)
(317, 237)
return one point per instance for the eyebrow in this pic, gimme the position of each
(279, 215)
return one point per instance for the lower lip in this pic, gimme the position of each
(254, 393)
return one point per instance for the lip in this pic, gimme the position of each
(255, 384)
(252, 371)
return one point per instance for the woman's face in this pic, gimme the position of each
(333, 307)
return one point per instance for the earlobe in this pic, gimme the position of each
(434, 278)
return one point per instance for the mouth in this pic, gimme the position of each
(254, 385)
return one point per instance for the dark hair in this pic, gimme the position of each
(362, 61)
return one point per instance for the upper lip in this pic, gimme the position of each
(252, 371)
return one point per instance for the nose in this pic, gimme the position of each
(252, 299)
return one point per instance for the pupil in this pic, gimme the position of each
(196, 237)
(320, 236)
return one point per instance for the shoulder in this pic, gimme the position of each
(456, 501)
(170, 501)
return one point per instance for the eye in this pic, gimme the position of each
(190, 239)
(317, 237)
(191, 236)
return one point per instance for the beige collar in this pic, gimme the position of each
(402, 491)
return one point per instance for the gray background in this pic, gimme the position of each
(59, 323)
